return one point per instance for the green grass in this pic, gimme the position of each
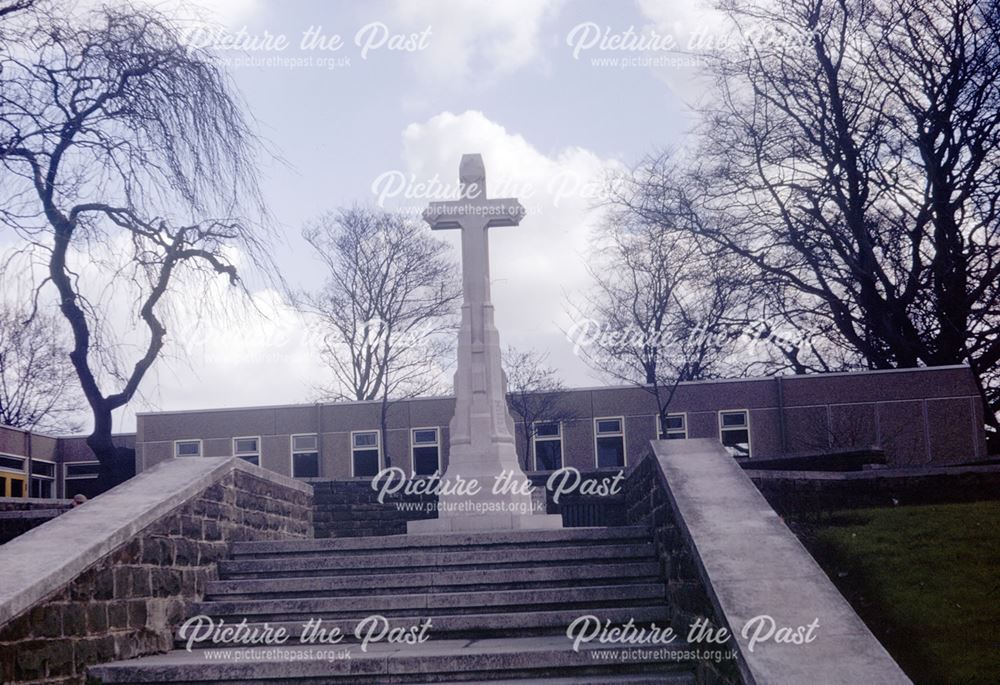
(926, 580)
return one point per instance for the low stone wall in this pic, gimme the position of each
(760, 581)
(799, 493)
(18, 515)
(121, 592)
(33, 503)
(350, 508)
(648, 504)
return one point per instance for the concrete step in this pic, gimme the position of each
(442, 624)
(389, 562)
(456, 661)
(496, 540)
(661, 679)
(436, 581)
(452, 602)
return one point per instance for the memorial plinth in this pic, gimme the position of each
(481, 446)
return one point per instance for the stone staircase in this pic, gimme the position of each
(498, 604)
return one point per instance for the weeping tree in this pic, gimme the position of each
(127, 166)
(38, 385)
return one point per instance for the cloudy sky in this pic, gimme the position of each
(375, 102)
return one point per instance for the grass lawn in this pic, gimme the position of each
(926, 580)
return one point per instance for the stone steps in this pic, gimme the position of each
(436, 581)
(455, 602)
(295, 565)
(542, 659)
(424, 543)
(498, 605)
(447, 625)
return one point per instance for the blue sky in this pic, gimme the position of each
(519, 81)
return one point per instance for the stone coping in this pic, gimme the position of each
(46, 558)
(871, 474)
(32, 501)
(753, 565)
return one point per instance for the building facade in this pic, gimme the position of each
(44, 466)
(916, 416)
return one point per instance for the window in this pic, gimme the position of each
(426, 451)
(248, 449)
(734, 432)
(12, 477)
(366, 453)
(305, 456)
(187, 448)
(676, 427)
(609, 442)
(11, 463)
(82, 469)
(43, 477)
(547, 445)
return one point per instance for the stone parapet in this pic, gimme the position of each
(111, 579)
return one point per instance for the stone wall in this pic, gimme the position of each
(812, 495)
(350, 508)
(20, 514)
(648, 505)
(33, 503)
(128, 602)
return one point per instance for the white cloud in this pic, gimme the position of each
(474, 39)
(697, 28)
(535, 264)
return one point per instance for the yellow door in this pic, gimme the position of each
(13, 485)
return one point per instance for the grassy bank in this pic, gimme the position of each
(926, 580)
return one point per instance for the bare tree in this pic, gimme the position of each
(38, 385)
(534, 393)
(661, 312)
(854, 160)
(117, 138)
(387, 308)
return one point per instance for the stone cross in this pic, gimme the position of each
(481, 440)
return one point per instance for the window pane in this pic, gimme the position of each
(610, 452)
(675, 423)
(365, 463)
(304, 443)
(41, 468)
(425, 460)
(425, 436)
(734, 418)
(305, 465)
(85, 470)
(189, 449)
(41, 488)
(16, 487)
(543, 429)
(548, 455)
(12, 463)
(366, 439)
(255, 460)
(609, 426)
(246, 445)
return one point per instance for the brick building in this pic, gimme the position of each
(916, 416)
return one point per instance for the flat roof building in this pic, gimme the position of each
(927, 416)
(915, 416)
